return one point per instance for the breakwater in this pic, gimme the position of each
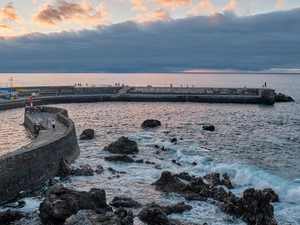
(71, 94)
(31, 166)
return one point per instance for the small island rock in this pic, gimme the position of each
(150, 123)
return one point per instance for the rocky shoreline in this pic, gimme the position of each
(63, 206)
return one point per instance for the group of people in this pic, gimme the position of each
(37, 127)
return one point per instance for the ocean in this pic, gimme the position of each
(257, 145)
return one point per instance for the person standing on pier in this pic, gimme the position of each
(53, 124)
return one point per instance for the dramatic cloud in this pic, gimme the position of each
(232, 5)
(70, 12)
(138, 5)
(202, 8)
(158, 14)
(5, 27)
(9, 13)
(220, 42)
(174, 4)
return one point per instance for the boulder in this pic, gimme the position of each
(122, 146)
(87, 134)
(82, 170)
(155, 214)
(9, 216)
(253, 208)
(60, 203)
(208, 127)
(119, 158)
(91, 217)
(121, 201)
(150, 123)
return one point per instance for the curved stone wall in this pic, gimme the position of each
(27, 168)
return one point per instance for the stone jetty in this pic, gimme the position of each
(32, 165)
(70, 94)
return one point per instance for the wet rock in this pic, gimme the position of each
(150, 123)
(120, 201)
(253, 208)
(283, 98)
(122, 146)
(208, 127)
(155, 214)
(60, 203)
(91, 217)
(119, 158)
(87, 134)
(173, 140)
(115, 171)
(99, 169)
(214, 180)
(273, 196)
(10, 216)
(82, 170)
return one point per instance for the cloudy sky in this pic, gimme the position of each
(149, 35)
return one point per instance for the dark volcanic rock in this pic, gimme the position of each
(87, 134)
(91, 217)
(283, 98)
(10, 216)
(208, 127)
(269, 191)
(119, 201)
(119, 158)
(60, 203)
(150, 123)
(122, 146)
(253, 208)
(214, 180)
(154, 214)
(82, 170)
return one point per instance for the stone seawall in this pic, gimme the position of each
(29, 167)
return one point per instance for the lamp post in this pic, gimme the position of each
(11, 84)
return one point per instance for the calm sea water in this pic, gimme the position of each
(257, 145)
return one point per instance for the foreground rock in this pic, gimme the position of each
(119, 158)
(87, 134)
(283, 98)
(91, 217)
(253, 208)
(60, 203)
(122, 146)
(10, 216)
(150, 123)
(120, 201)
(158, 215)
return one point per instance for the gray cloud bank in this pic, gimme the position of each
(222, 41)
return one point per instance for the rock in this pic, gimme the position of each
(120, 201)
(82, 170)
(99, 169)
(268, 191)
(155, 214)
(9, 216)
(208, 127)
(60, 203)
(283, 98)
(91, 217)
(87, 134)
(150, 123)
(214, 180)
(122, 146)
(119, 158)
(253, 208)
(173, 140)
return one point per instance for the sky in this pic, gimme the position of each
(149, 35)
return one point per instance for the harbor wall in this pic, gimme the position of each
(27, 168)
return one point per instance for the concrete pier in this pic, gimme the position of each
(32, 165)
(71, 94)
